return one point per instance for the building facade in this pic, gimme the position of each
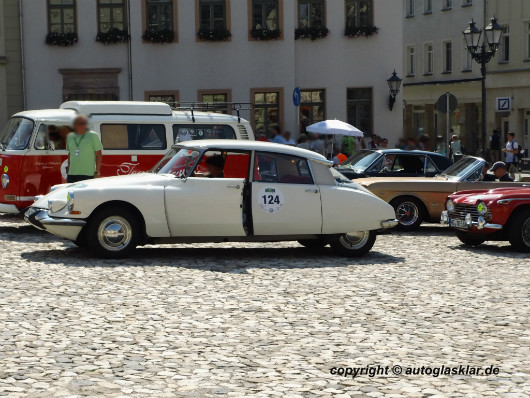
(436, 61)
(221, 50)
(509, 74)
(11, 89)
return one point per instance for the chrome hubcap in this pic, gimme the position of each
(114, 233)
(407, 213)
(354, 240)
(526, 232)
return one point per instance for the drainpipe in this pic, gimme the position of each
(22, 62)
(129, 52)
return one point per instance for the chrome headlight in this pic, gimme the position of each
(449, 205)
(70, 201)
(482, 208)
(5, 181)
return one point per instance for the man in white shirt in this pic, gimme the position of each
(511, 151)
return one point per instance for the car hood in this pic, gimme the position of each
(488, 196)
(60, 192)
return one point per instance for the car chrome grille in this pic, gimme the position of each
(460, 211)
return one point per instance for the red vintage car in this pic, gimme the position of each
(501, 214)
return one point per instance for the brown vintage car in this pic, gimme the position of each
(418, 199)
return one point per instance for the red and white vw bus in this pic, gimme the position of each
(135, 136)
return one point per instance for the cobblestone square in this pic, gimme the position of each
(261, 320)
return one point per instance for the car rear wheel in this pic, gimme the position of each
(520, 231)
(409, 213)
(113, 233)
(354, 244)
(470, 239)
(313, 243)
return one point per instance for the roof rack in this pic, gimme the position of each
(212, 106)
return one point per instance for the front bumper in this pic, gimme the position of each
(68, 228)
(480, 224)
(389, 224)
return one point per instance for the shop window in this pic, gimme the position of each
(266, 113)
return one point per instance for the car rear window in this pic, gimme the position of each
(133, 136)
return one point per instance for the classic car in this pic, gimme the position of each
(218, 191)
(394, 163)
(419, 199)
(501, 214)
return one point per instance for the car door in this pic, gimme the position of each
(201, 206)
(285, 198)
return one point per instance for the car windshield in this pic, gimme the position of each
(178, 162)
(361, 161)
(461, 168)
(16, 134)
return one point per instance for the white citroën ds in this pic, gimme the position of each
(218, 191)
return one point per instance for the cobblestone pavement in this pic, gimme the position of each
(258, 320)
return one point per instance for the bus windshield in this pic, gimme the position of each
(16, 134)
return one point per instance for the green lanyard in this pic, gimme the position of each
(78, 143)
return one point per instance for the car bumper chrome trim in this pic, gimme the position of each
(480, 224)
(41, 219)
(389, 224)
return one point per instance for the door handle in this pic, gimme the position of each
(234, 186)
(312, 190)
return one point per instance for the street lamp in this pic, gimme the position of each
(483, 51)
(394, 84)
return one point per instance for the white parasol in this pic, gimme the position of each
(334, 127)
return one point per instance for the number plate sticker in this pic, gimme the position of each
(271, 200)
(458, 223)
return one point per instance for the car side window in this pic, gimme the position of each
(283, 169)
(133, 136)
(218, 164)
(41, 140)
(408, 164)
(430, 167)
(475, 175)
(183, 132)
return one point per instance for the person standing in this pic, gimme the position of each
(277, 136)
(441, 147)
(495, 146)
(455, 149)
(84, 152)
(317, 144)
(511, 151)
(349, 145)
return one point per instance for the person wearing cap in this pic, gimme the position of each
(485, 176)
(501, 172)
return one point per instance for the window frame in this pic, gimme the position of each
(468, 59)
(227, 20)
(428, 57)
(446, 70)
(250, 8)
(112, 6)
(279, 91)
(447, 5)
(526, 40)
(174, 20)
(505, 50)
(227, 92)
(311, 104)
(161, 93)
(61, 7)
(310, 4)
(427, 10)
(357, 17)
(411, 60)
(371, 99)
(410, 8)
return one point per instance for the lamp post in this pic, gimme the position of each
(483, 51)
(394, 84)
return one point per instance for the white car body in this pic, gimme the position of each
(193, 209)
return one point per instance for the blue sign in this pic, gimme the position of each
(504, 104)
(297, 96)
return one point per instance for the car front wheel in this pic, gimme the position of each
(113, 233)
(520, 231)
(354, 244)
(409, 213)
(470, 239)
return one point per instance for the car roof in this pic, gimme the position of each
(243, 145)
(404, 152)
